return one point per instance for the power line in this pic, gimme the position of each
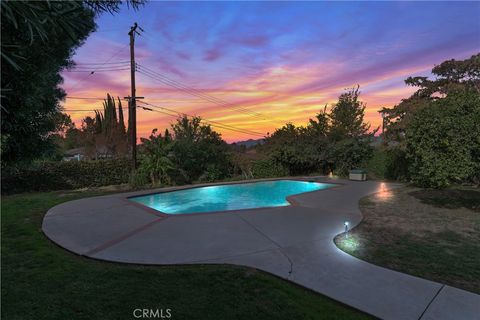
(101, 70)
(214, 125)
(99, 67)
(176, 114)
(100, 99)
(186, 114)
(85, 110)
(186, 91)
(90, 68)
(193, 91)
(161, 78)
(98, 63)
(93, 71)
(212, 122)
(84, 98)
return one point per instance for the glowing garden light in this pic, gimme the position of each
(346, 223)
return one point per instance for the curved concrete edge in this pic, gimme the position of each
(313, 261)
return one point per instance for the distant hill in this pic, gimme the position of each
(250, 142)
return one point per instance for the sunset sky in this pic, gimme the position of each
(272, 62)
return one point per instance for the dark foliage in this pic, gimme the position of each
(443, 141)
(65, 175)
(337, 140)
(268, 169)
(38, 41)
(194, 152)
(31, 64)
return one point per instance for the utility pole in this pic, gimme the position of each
(132, 103)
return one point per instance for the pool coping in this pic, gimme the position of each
(290, 199)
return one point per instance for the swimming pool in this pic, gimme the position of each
(228, 197)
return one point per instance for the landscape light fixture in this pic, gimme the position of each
(346, 223)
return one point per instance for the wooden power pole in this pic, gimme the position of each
(132, 103)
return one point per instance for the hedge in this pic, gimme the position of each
(268, 169)
(64, 175)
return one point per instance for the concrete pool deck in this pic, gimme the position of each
(293, 242)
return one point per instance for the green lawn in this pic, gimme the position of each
(433, 234)
(43, 281)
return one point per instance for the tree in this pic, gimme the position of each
(111, 134)
(36, 17)
(292, 148)
(349, 136)
(38, 40)
(105, 134)
(199, 152)
(443, 141)
(346, 117)
(339, 139)
(30, 106)
(194, 152)
(460, 78)
(320, 126)
(451, 76)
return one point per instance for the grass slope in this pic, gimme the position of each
(42, 281)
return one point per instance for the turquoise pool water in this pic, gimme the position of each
(228, 197)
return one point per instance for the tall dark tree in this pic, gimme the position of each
(346, 116)
(449, 77)
(38, 41)
(199, 151)
(30, 83)
(349, 135)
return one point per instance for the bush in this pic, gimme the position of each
(376, 166)
(443, 141)
(212, 174)
(49, 176)
(396, 164)
(349, 154)
(268, 169)
(139, 179)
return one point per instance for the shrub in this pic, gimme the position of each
(212, 174)
(48, 176)
(139, 179)
(268, 169)
(396, 164)
(443, 141)
(197, 149)
(349, 154)
(376, 166)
